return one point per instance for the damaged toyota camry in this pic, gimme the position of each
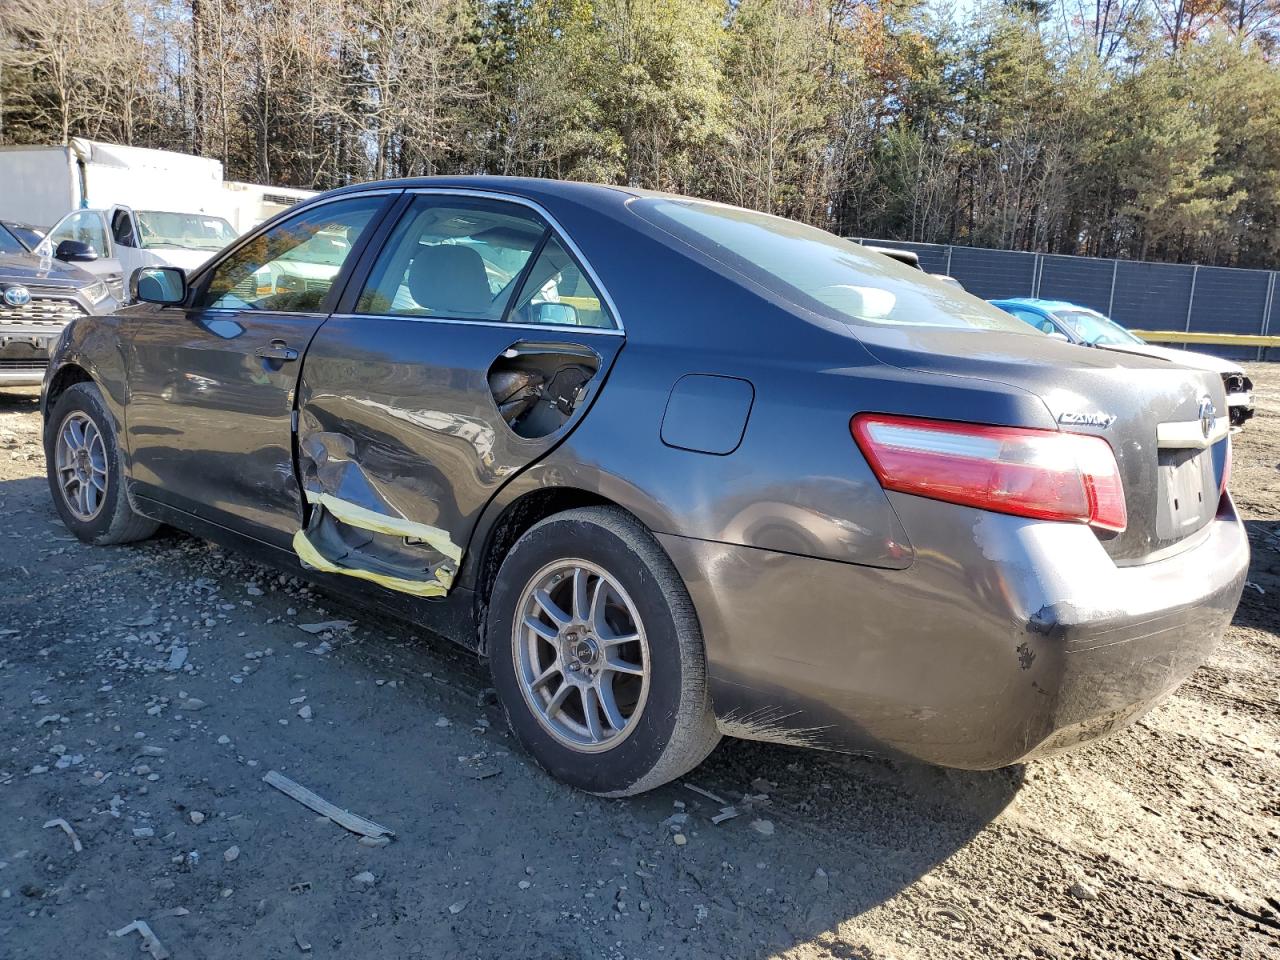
(678, 470)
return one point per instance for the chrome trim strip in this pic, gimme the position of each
(561, 233)
(556, 327)
(1187, 435)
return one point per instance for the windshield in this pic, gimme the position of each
(8, 242)
(1094, 328)
(189, 231)
(819, 271)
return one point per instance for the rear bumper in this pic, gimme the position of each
(1005, 639)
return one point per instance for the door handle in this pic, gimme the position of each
(278, 350)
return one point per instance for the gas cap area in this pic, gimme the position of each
(539, 387)
(707, 413)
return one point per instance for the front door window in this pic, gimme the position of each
(292, 266)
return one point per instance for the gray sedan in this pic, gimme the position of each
(678, 470)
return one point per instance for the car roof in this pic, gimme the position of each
(528, 187)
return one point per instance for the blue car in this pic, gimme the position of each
(1089, 328)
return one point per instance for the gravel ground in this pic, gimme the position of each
(146, 690)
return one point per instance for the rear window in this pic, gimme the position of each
(818, 271)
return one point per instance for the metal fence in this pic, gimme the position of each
(1137, 294)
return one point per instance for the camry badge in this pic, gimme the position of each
(1208, 416)
(17, 296)
(1100, 420)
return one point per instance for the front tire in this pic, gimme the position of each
(596, 654)
(85, 471)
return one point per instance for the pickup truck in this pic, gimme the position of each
(122, 239)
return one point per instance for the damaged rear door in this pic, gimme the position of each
(465, 348)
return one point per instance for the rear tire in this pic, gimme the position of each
(85, 470)
(553, 657)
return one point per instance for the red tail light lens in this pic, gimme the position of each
(1043, 474)
(1226, 467)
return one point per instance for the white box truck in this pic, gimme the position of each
(125, 207)
(251, 203)
(44, 184)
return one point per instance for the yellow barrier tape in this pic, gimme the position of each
(419, 588)
(367, 519)
(1222, 339)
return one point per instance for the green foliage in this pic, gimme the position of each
(1152, 132)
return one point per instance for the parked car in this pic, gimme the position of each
(26, 234)
(38, 297)
(1090, 328)
(124, 239)
(794, 491)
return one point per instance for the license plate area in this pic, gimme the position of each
(1188, 488)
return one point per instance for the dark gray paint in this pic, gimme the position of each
(707, 414)
(833, 615)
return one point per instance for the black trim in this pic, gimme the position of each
(361, 266)
(524, 273)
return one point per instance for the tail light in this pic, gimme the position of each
(1043, 474)
(1226, 467)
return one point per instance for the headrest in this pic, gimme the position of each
(449, 280)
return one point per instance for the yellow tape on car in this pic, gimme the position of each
(419, 588)
(357, 516)
(367, 519)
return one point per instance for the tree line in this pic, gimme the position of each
(1147, 129)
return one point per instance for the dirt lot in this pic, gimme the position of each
(145, 691)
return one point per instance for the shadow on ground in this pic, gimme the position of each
(1262, 591)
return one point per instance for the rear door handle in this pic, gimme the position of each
(278, 350)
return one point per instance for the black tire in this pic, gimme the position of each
(115, 520)
(676, 728)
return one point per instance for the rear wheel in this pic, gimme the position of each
(596, 654)
(85, 471)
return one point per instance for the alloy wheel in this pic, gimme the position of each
(581, 655)
(81, 462)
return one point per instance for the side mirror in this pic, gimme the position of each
(75, 251)
(558, 313)
(1055, 335)
(162, 285)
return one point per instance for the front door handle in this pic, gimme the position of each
(278, 350)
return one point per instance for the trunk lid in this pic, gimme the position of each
(1153, 414)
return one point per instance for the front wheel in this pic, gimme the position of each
(86, 477)
(597, 656)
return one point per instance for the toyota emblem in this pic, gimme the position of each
(1208, 416)
(17, 296)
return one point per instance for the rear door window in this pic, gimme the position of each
(453, 258)
(465, 258)
(556, 291)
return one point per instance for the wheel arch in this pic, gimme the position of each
(68, 375)
(509, 524)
